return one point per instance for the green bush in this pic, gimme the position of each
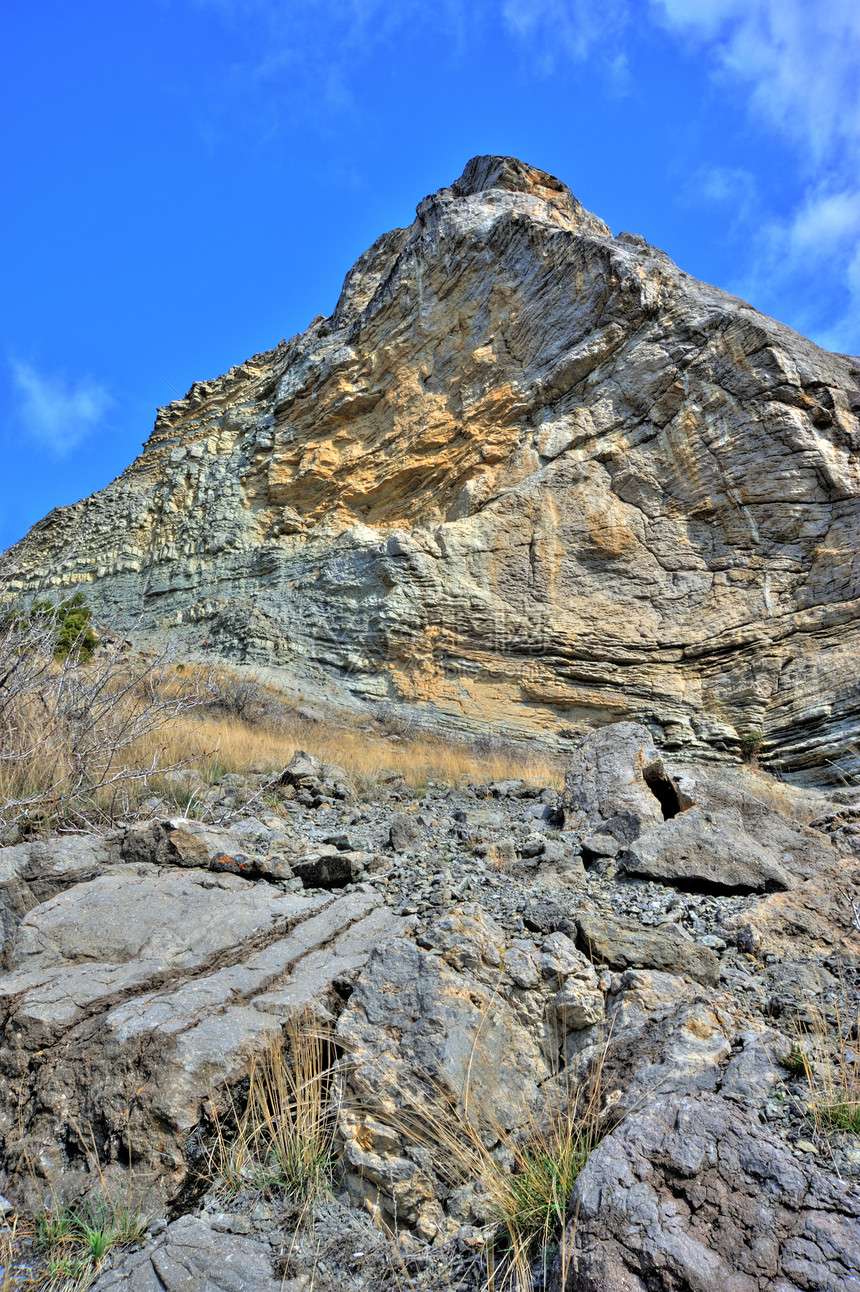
(70, 620)
(751, 743)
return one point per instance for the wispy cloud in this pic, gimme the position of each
(570, 29)
(56, 412)
(799, 59)
(799, 62)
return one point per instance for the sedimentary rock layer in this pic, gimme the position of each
(527, 475)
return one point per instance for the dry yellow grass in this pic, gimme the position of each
(217, 744)
(830, 1063)
(86, 742)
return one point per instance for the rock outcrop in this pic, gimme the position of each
(134, 995)
(527, 476)
(697, 1195)
(475, 986)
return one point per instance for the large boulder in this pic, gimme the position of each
(664, 1034)
(705, 851)
(688, 826)
(767, 812)
(133, 998)
(614, 782)
(815, 919)
(694, 1195)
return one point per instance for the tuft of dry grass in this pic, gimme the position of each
(524, 1177)
(831, 1069)
(282, 1138)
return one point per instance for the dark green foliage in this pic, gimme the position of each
(751, 743)
(70, 621)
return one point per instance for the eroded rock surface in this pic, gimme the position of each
(191, 1256)
(527, 472)
(691, 1195)
(133, 997)
(477, 974)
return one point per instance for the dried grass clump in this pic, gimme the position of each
(17, 1272)
(283, 1135)
(831, 1069)
(525, 1177)
(89, 732)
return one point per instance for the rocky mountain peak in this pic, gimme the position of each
(508, 174)
(526, 476)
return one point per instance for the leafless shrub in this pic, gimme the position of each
(245, 699)
(80, 735)
(394, 721)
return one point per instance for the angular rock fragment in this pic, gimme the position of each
(626, 944)
(314, 781)
(662, 1036)
(32, 872)
(190, 1256)
(402, 832)
(814, 919)
(801, 851)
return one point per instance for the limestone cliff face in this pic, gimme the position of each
(529, 474)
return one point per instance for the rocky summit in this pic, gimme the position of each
(528, 477)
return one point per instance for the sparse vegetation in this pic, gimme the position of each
(524, 1177)
(796, 1060)
(831, 1068)
(282, 1137)
(530, 1202)
(751, 743)
(76, 1239)
(81, 731)
(217, 745)
(66, 623)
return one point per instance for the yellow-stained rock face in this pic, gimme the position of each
(527, 477)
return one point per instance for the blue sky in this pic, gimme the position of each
(187, 181)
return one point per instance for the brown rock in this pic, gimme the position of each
(624, 944)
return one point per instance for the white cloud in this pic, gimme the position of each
(57, 412)
(799, 61)
(799, 58)
(826, 222)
